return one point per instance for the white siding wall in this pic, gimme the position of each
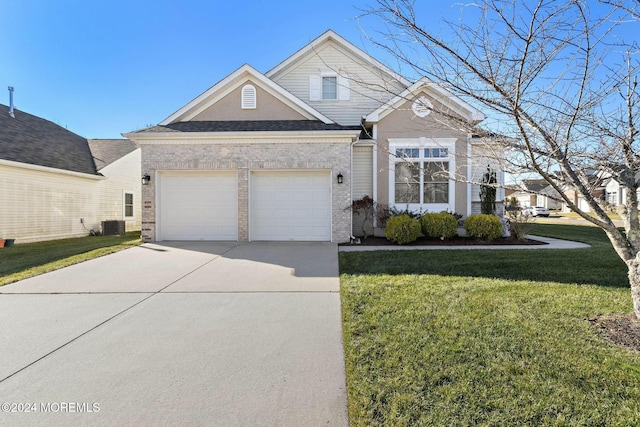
(482, 156)
(363, 99)
(524, 200)
(123, 175)
(39, 205)
(362, 172)
(614, 187)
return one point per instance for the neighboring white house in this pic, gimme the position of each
(55, 184)
(597, 183)
(537, 192)
(281, 155)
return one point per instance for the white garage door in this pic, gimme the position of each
(198, 206)
(291, 206)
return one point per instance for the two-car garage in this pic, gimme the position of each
(282, 205)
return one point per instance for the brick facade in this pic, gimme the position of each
(328, 154)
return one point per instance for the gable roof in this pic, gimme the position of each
(36, 141)
(332, 36)
(107, 151)
(233, 81)
(535, 185)
(442, 95)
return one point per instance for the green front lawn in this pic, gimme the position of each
(30, 259)
(488, 337)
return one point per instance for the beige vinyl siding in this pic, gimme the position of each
(123, 176)
(363, 99)
(268, 107)
(40, 205)
(43, 204)
(402, 123)
(362, 172)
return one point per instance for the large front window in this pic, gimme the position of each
(407, 182)
(436, 182)
(421, 177)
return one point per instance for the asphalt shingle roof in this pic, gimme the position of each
(29, 139)
(107, 151)
(535, 185)
(247, 126)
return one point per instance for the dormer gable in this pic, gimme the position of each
(338, 79)
(425, 97)
(333, 39)
(246, 94)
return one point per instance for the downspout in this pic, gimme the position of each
(351, 236)
(375, 176)
(469, 172)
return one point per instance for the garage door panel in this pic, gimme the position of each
(318, 197)
(302, 197)
(199, 206)
(299, 214)
(288, 205)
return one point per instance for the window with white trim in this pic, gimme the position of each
(329, 87)
(127, 204)
(612, 198)
(249, 100)
(421, 174)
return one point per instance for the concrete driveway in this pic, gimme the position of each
(186, 333)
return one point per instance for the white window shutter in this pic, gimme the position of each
(344, 93)
(315, 88)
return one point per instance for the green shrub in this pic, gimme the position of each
(402, 229)
(483, 226)
(441, 225)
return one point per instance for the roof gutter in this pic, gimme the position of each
(349, 135)
(49, 169)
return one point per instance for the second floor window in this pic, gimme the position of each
(329, 87)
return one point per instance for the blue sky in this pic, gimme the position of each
(101, 68)
(104, 67)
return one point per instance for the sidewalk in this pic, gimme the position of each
(551, 244)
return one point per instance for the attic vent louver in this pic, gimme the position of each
(249, 97)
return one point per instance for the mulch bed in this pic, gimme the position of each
(454, 241)
(622, 329)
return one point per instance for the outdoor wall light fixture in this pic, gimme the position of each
(145, 179)
(340, 178)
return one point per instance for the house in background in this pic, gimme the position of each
(56, 184)
(611, 192)
(614, 193)
(280, 156)
(536, 192)
(597, 180)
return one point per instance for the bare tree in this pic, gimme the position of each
(558, 78)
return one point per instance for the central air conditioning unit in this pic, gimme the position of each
(112, 228)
